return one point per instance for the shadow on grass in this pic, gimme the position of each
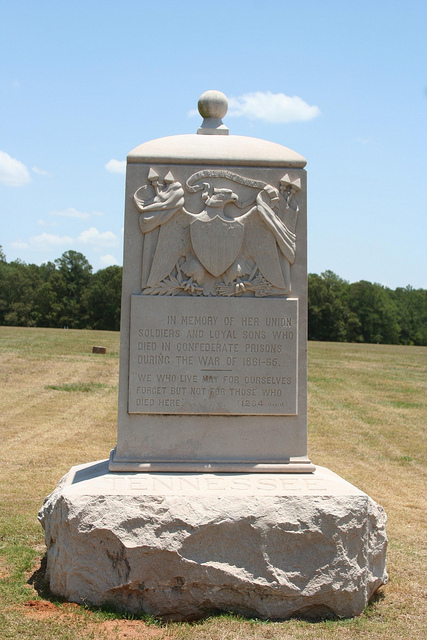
(377, 598)
(110, 610)
(39, 582)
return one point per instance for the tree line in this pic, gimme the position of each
(63, 293)
(364, 312)
(66, 293)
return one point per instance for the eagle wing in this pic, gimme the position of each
(260, 245)
(173, 244)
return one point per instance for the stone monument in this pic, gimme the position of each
(209, 501)
(213, 353)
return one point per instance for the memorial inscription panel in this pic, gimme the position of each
(210, 356)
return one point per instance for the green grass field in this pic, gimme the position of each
(367, 422)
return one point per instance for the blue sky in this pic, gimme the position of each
(83, 83)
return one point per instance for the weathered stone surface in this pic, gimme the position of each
(184, 545)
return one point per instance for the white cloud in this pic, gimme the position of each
(107, 260)
(41, 172)
(90, 237)
(45, 240)
(94, 237)
(363, 140)
(73, 213)
(116, 166)
(42, 242)
(13, 173)
(44, 223)
(271, 107)
(19, 244)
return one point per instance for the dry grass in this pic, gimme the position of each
(367, 417)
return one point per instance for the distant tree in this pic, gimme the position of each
(354, 328)
(376, 311)
(69, 283)
(103, 298)
(18, 285)
(75, 267)
(46, 270)
(46, 299)
(412, 306)
(327, 312)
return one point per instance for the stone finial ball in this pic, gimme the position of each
(213, 104)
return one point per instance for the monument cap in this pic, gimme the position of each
(213, 146)
(213, 105)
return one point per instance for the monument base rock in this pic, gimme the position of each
(182, 546)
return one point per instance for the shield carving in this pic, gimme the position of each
(216, 243)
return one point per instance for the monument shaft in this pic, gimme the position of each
(213, 353)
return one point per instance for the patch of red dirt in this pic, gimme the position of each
(130, 630)
(40, 605)
(118, 629)
(41, 609)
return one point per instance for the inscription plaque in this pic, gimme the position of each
(216, 357)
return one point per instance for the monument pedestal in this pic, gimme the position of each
(182, 546)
